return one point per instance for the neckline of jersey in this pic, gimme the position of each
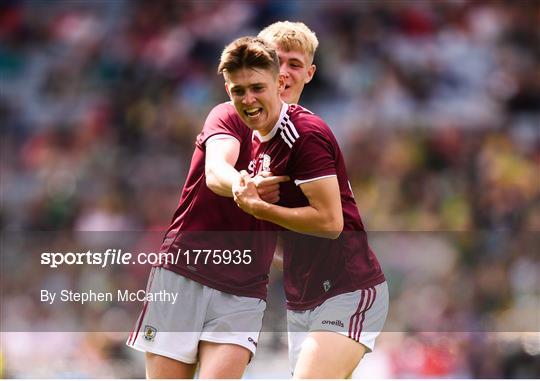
(272, 133)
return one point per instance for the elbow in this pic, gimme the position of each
(333, 228)
(211, 182)
(334, 233)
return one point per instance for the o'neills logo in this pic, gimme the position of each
(333, 322)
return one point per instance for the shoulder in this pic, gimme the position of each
(306, 122)
(225, 111)
(223, 119)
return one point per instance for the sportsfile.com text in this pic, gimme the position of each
(119, 257)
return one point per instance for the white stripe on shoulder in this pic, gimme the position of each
(219, 137)
(288, 133)
(285, 139)
(291, 126)
(300, 182)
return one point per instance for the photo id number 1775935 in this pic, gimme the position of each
(217, 257)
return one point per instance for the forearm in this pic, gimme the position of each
(306, 220)
(221, 156)
(220, 179)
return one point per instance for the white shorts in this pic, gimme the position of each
(200, 313)
(359, 315)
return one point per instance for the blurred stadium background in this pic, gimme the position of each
(436, 105)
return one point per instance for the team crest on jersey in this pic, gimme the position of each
(251, 168)
(149, 332)
(327, 285)
(266, 163)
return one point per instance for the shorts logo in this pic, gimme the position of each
(333, 322)
(149, 332)
(327, 285)
(250, 339)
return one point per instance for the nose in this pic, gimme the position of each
(283, 71)
(248, 98)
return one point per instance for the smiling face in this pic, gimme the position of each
(296, 45)
(297, 69)
(255, 94)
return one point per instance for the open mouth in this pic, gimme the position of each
(253, 112)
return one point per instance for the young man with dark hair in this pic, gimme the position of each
(220, 267)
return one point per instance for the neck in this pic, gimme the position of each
(266, 130)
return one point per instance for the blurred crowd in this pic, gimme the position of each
(436, 105)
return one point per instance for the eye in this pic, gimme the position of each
(258, 89)
(237, 92)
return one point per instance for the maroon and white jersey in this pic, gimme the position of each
(304, 148)
(206, 229)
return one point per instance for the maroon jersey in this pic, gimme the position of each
(303, 147)
(212, 241)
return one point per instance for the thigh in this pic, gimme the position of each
(221, 360)
(234, 319)
(341, 331)
(328, 355)
(158, 366)
(230, 335)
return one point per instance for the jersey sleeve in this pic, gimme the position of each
(220, 121)
(218, 137)
(313, 158)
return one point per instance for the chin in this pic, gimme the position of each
(286, 96)
(289, 97)
(250, 125)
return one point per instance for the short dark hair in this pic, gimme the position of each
(248, 52)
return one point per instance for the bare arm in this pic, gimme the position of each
(221, 156)
(323, 217)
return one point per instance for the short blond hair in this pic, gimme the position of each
(291, 36)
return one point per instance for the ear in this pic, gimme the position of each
(310, 73)
(281, 83)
